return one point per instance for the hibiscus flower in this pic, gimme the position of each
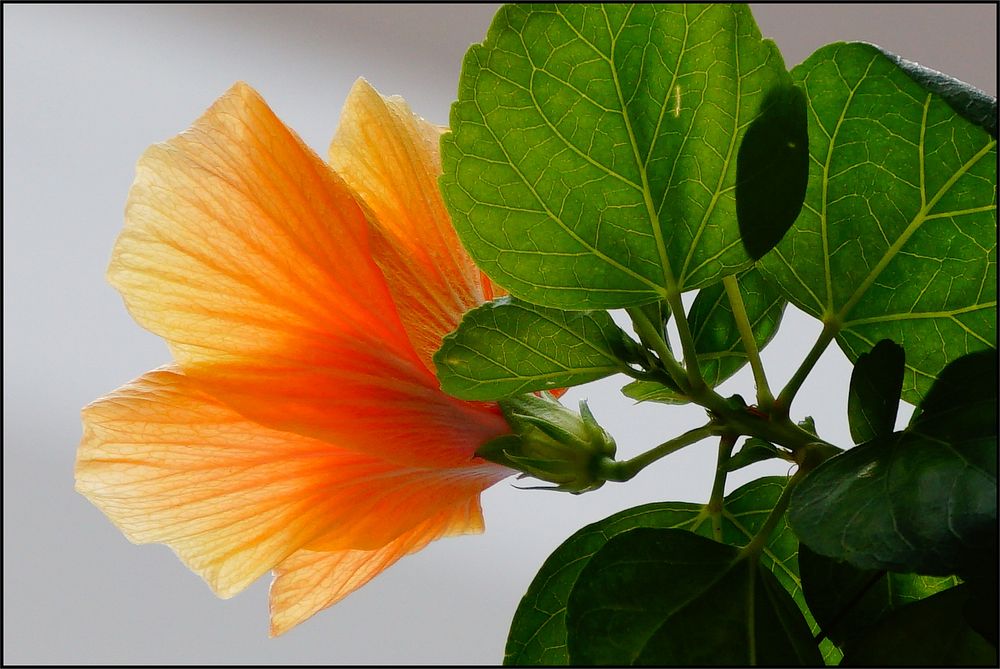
(300, 428)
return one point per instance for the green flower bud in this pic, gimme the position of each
(552, 443)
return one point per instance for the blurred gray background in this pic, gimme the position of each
(86, 90)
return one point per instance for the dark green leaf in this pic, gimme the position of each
(654, 596)
(593, 153)
(507, 347)
(716, 339)
(922, 500)
(873, 399)
(928, 633)
(754, 450)
(538, 631)
(772, 170)
(897, 236)
(962, 404)
(847, 601)
(653, 391)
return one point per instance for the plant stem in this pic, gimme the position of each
(623, 470)
(716, 502)
(787, 394)
(764, 397)
(777, 513)
(687, 340)
(651, 337)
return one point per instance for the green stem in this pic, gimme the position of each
(787, 394)
(687, 340)
(716, 502)
(777, 513)
(651, 337)
(623, 470)
(764, 397)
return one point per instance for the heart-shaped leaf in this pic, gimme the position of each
(592, 161)
(654, 596)
(897, 236)
(538, 631)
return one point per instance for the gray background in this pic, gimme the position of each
(86, 89)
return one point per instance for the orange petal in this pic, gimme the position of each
(250, 256)
(309, 581)
(169, 464)
(391, 159)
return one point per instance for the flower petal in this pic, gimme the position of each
(391, 159)
(309, 581)
(250, 256)
(169, 464)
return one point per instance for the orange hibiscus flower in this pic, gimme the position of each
(301, 428)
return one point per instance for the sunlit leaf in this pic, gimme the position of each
(507, 347)
(897, 236)
(593, 155)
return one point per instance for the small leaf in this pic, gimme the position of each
(717, 341)
(873, 398)
(754, 450)
(654, 596)
(507, 347)
(654, 391)
(592, 157)
(847, 601)
(772, 170)
(923, 500)
(897, 236)
(931, 632)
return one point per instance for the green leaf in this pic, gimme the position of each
(847, 601)
(713, 327)
(654, 596)
(932, 632)
(593, 154)
(897, 236)
(538, 631)
(507, 347)
(873, 398)
(962, 403)
(923, 500)
(654, 391)
(754, 450)
(772, 170)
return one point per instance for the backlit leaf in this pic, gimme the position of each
(593, 154)
(897, 236)
(873, 398)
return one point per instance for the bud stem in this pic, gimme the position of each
(623, 470)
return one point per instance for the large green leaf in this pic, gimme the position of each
(508, 347)
(653, 596)
(897, 237)
(593, 154)
(922, 500)
(929, 633)
(848, 601)
(873, 398)
(716, 339)
(538, 631)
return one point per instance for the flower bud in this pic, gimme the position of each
(552, 443)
